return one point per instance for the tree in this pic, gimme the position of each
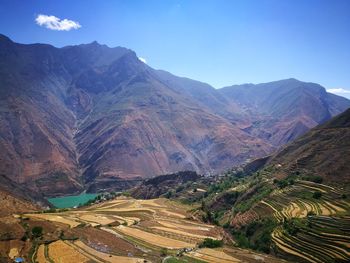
(317, 195)
(163, 252)
(37, 231)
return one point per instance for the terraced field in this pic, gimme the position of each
(326, 241)
(309, 229)
(292, 202)
(77, 251)
(127, 230)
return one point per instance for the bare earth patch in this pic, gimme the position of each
(56, 218)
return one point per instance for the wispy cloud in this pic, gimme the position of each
(339, 91)
(143, 60)
(55, 23)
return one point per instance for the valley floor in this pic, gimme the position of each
(124, 230)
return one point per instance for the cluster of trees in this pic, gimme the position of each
(256, 235)
(313, 178)
(258, 193)
(283, 183)
(34, 233)
(294, 225)
(211, 243)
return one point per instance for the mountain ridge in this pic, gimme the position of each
(92, 115)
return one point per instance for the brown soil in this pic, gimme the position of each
(105, 242)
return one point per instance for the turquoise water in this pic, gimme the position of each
(71, 201)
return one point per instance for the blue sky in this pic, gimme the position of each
(218, 42)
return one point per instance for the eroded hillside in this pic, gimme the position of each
(93, 117)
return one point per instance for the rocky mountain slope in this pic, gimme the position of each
(323, 151)
(16, 198)
(89, 116)
(160, 185)
(283, 110)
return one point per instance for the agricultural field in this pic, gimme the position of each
(126, 230)
(309, 222)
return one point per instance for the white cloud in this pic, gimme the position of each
(339, 91)
(143, 60)
(55, 23)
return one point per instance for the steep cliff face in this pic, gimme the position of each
(90, 116)
(36, 126)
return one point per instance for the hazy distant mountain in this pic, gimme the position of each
(93, 116)
(283, 110)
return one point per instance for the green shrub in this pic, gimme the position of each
(168, 194)
(242, 240)
(283, 183)
(226, 225)
(37, 231)
(317, 195)
(211, 243)
(311, 213)
(163, 252)
(314, 178)
(291, 227)
(179, 189)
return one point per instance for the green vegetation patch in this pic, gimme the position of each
(256, 235)
(259, 193)
(174, 260)
(211, 243)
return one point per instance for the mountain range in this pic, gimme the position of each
(93, 117)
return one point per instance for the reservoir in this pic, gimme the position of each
(71, 201)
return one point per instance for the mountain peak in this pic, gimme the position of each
(95, 43)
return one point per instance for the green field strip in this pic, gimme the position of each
(47, 254)
(323, 186)
(33, 257)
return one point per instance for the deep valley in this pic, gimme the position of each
(105, 159)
